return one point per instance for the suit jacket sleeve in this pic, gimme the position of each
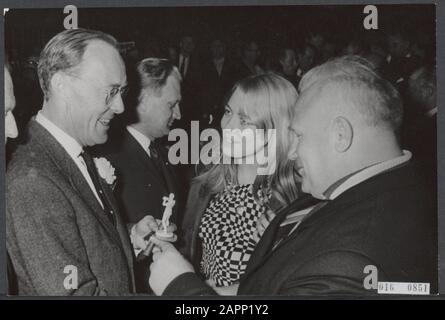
(44, 225)
(331, 273)
(188, 284)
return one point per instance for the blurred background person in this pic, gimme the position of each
(219, 75)
(400, 62)
(306, 60)
(189, 66)
(420, 124)
(250, 59)
(285, 64)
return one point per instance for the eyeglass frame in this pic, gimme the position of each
(110, 94)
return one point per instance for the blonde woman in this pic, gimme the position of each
(227, 200)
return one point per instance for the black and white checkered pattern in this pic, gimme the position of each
(226, 231)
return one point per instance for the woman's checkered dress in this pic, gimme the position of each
(226, 230)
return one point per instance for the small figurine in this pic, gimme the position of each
(168, 203)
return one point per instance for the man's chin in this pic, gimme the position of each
(101, 139)
(306, 189)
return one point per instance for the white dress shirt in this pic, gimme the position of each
(368, 173)
(219, 64)
(431, 112)
(350, 182)
(71, 146)
(142, 139)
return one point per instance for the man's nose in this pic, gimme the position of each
(177, 112)
(118, 105)
(228, 123)
(11, 130)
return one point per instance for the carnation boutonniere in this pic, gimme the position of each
(106, 171)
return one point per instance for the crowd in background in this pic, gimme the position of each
(221, 83)
(210, 69)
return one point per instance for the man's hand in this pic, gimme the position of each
(167, 264)
(146, 226)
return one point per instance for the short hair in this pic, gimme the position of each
(375, 98)
(65, 51)
(153, 74)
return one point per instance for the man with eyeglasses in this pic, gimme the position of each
(140, 159)
(64, 232)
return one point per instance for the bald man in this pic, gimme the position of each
(376, 211)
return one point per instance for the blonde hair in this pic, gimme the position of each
(269, 102)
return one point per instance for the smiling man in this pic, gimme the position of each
(140, 160)
(64, 233)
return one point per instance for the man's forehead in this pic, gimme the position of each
(310, 105)
(103, 60)
(172, 88)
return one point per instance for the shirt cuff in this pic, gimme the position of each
(188, 284)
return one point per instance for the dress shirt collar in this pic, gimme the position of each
(364, 174)
(142, 139)
(431, 112)
(218, 61)
(182, 58)
(72, 147)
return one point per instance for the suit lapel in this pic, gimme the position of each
(169, 176)
(303, 225)
(265, 247)
(70, 170)
(142, 156)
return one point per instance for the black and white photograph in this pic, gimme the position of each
(242, 150)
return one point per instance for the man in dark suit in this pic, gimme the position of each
(219, 75)
(420, 131)
(375, 212)
(64, 234)
(145, 175)
(190, 69)
(400, 62)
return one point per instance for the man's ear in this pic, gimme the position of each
(343, 134)
(142, 106)
(58, 84)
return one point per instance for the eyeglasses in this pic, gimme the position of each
(111, 92)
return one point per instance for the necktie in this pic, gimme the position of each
(182, 68)
(284, 231)
(92, 171)
(157, 159)
(153, 150)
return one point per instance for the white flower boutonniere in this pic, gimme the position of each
(105, 169)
